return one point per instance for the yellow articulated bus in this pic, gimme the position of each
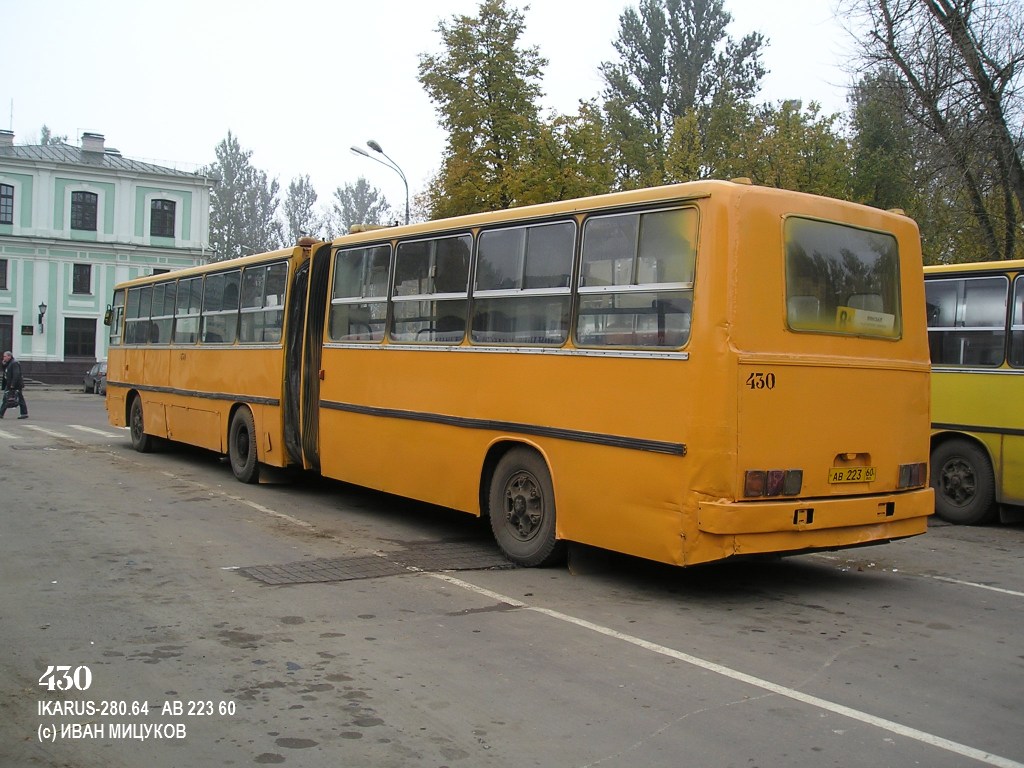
(685, 374)
(976, 332)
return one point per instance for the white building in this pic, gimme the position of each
(73, 222)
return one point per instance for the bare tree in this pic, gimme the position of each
(959, 63)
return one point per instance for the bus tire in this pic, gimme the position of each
(521, 506)
(964, 483)
(141, 442)
(242, 446)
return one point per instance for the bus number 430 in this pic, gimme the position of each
(761, 381)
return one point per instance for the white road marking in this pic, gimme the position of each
(978, 586)
(49, 432)
(92, 430)
(830, 706)
(9, 435)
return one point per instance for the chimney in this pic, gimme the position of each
(6, 138)
(92, 142)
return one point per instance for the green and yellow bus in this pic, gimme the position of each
(686, 374)
(976, 332)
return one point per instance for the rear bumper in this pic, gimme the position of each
(795, 515)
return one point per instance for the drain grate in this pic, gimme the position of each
(415, 556)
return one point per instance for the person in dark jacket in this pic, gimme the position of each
(14, 383)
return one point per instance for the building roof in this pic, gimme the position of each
(109, 159)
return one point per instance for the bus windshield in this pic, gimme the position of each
(841, 280)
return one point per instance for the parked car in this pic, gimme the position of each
(96, 379)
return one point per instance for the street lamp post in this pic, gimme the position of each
(387, 163)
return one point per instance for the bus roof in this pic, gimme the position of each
(988, 267)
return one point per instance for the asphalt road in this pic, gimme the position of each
(194, 621)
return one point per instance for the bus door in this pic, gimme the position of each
(312, 353)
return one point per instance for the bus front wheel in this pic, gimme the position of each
(242, 446)
(963, 482)
(522, 509)
(141, 442)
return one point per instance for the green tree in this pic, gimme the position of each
(46, 138)
(357, 203)
(300, 214)
(243, 206)
(485, 87)
(675, 61)
(569, 158)
(882, 142)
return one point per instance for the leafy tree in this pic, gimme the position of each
(569, 158)
(675, 61)
(882, 142)
(299, 213)
(357, 203)
(243, 205)
(485, 88)
(46, 138)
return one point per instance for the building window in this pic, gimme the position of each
(7, 331)
(3, 275)
(79, 337)
(161, 220)
(81, 279)
(6, 204)
(83, 210)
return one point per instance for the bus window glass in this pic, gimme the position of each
(967, 320)
(636, 282)
(220, 307)
(163, 313)
(522, 285)
(186, 313)
(116, 318)
(140, 301)
(262, 314)
(360, 300)
(1017, 329)
(841, 280)
(431, 281)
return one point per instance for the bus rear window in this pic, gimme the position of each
(841, 280)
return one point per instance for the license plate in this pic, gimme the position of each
(851, 475)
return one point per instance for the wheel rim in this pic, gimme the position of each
(524, 505)
(242, 444)
(137, 427)
(957, 482)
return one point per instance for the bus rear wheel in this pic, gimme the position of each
(522, 509)
(964, 483)
(141, 442)
(242, 446)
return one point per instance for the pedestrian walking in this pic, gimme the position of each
(13, 384)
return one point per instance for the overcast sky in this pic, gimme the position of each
(299, 82)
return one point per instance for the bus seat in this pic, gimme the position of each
(803, 308)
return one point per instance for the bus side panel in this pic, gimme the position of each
(623, 498)
(1012, 481)
(985, 405)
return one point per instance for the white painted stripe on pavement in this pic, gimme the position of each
(791, 693)
(49, 432)
(9, 435)
(978, 586)
(92, 430)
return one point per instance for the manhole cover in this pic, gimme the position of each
(415, 556)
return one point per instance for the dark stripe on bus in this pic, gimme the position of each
(981, 430)
(616, 441)
(251, 399)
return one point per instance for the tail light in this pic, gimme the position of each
(772, 482)
(913, 475)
